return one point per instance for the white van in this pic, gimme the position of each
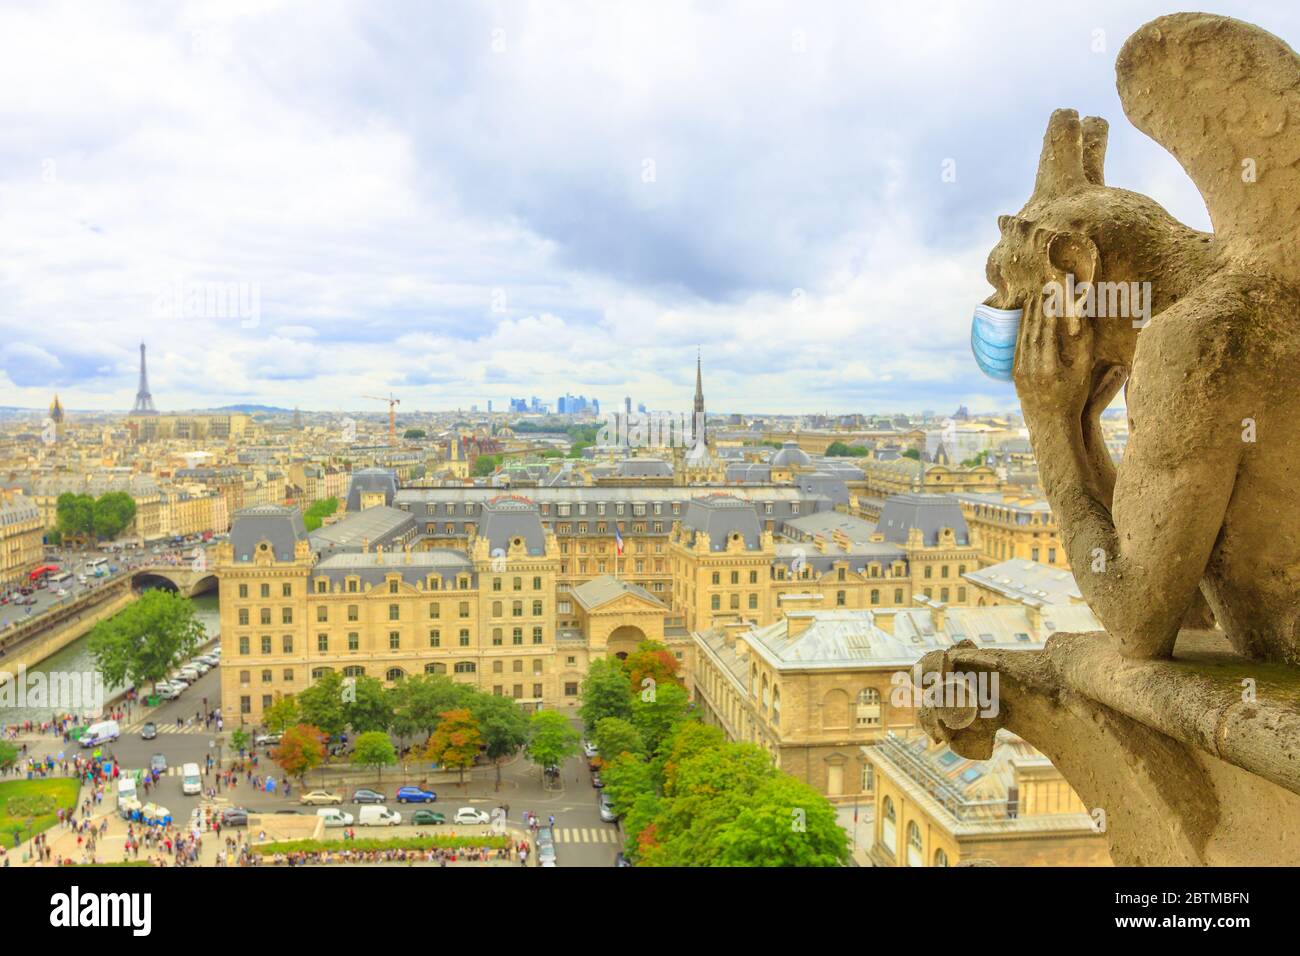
(100, 733)
(334, 817)
(126, 791)
(376, 815)
(191, 779)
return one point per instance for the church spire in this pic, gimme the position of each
(698, 423)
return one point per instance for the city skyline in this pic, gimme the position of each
(407, 212)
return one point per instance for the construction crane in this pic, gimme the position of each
(392, 414)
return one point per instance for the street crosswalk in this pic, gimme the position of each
(169, 772)
(587, 835)
(167, 728)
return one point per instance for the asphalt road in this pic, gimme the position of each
(582, 838)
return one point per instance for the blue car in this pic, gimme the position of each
(415, 795)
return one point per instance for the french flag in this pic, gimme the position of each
(618, 541)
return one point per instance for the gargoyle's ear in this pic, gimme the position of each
(1060, 165)
(1074, 254)
(1095, 133)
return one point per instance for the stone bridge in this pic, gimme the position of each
(182, 578)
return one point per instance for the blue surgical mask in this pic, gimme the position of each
(993, 334)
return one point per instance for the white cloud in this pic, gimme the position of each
(421, 213)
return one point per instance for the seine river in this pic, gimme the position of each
(75, 658)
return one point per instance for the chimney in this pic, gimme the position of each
(1034, 611)
(796, 622)
(939, 614)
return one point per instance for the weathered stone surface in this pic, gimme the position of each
(1186, 743)
(1206, 343)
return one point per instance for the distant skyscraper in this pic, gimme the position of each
(297, 418)
(143, 400)
(627, 405)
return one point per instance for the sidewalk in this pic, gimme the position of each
(110, 846)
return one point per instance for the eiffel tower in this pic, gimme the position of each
(143, 400)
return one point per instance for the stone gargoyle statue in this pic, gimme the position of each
(1185, 740)
(1208, 342)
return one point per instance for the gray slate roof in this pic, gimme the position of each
(605, 588)
(719, 516)
(279, 525)
(930, 513)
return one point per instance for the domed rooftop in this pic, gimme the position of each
(791, 455)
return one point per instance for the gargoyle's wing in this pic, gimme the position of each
(1224, 97)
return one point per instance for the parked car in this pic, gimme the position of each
(589, 749)
(168, 691)
(622, 860)
(320, 798)
(468, 816)
(158, 763)
(596, 780)
(267, 740)
(378, 816)
(234, 817)
(425, 818)
(334, 817)
(149, 731)
(415, 795)
(366, 795)
(607, 810)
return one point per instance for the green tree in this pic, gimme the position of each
(615, 736)
(366, 706)
(413, 433)
(112, 513)
(146, 639)
(316, 513)
(374, 749)
(841, 450)
(709, 790)
(321, 704)
(240, 739)
(657, 711)
(485, 465)
(301, 749)
(503, 725)
(75, 515)
(975, 461)
(913, 454)
(454, 745)
(282, 714)
(551, 739)
(785, 822)
(8, 755)
(690, 739)
(417, 702)
(606, 692)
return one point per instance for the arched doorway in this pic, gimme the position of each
(623, 640)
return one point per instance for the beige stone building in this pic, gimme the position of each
(22, 534)
(933, 807)
(816, 687)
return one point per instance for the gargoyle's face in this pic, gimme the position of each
(1015, 268)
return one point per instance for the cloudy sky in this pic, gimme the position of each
(301, 204)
